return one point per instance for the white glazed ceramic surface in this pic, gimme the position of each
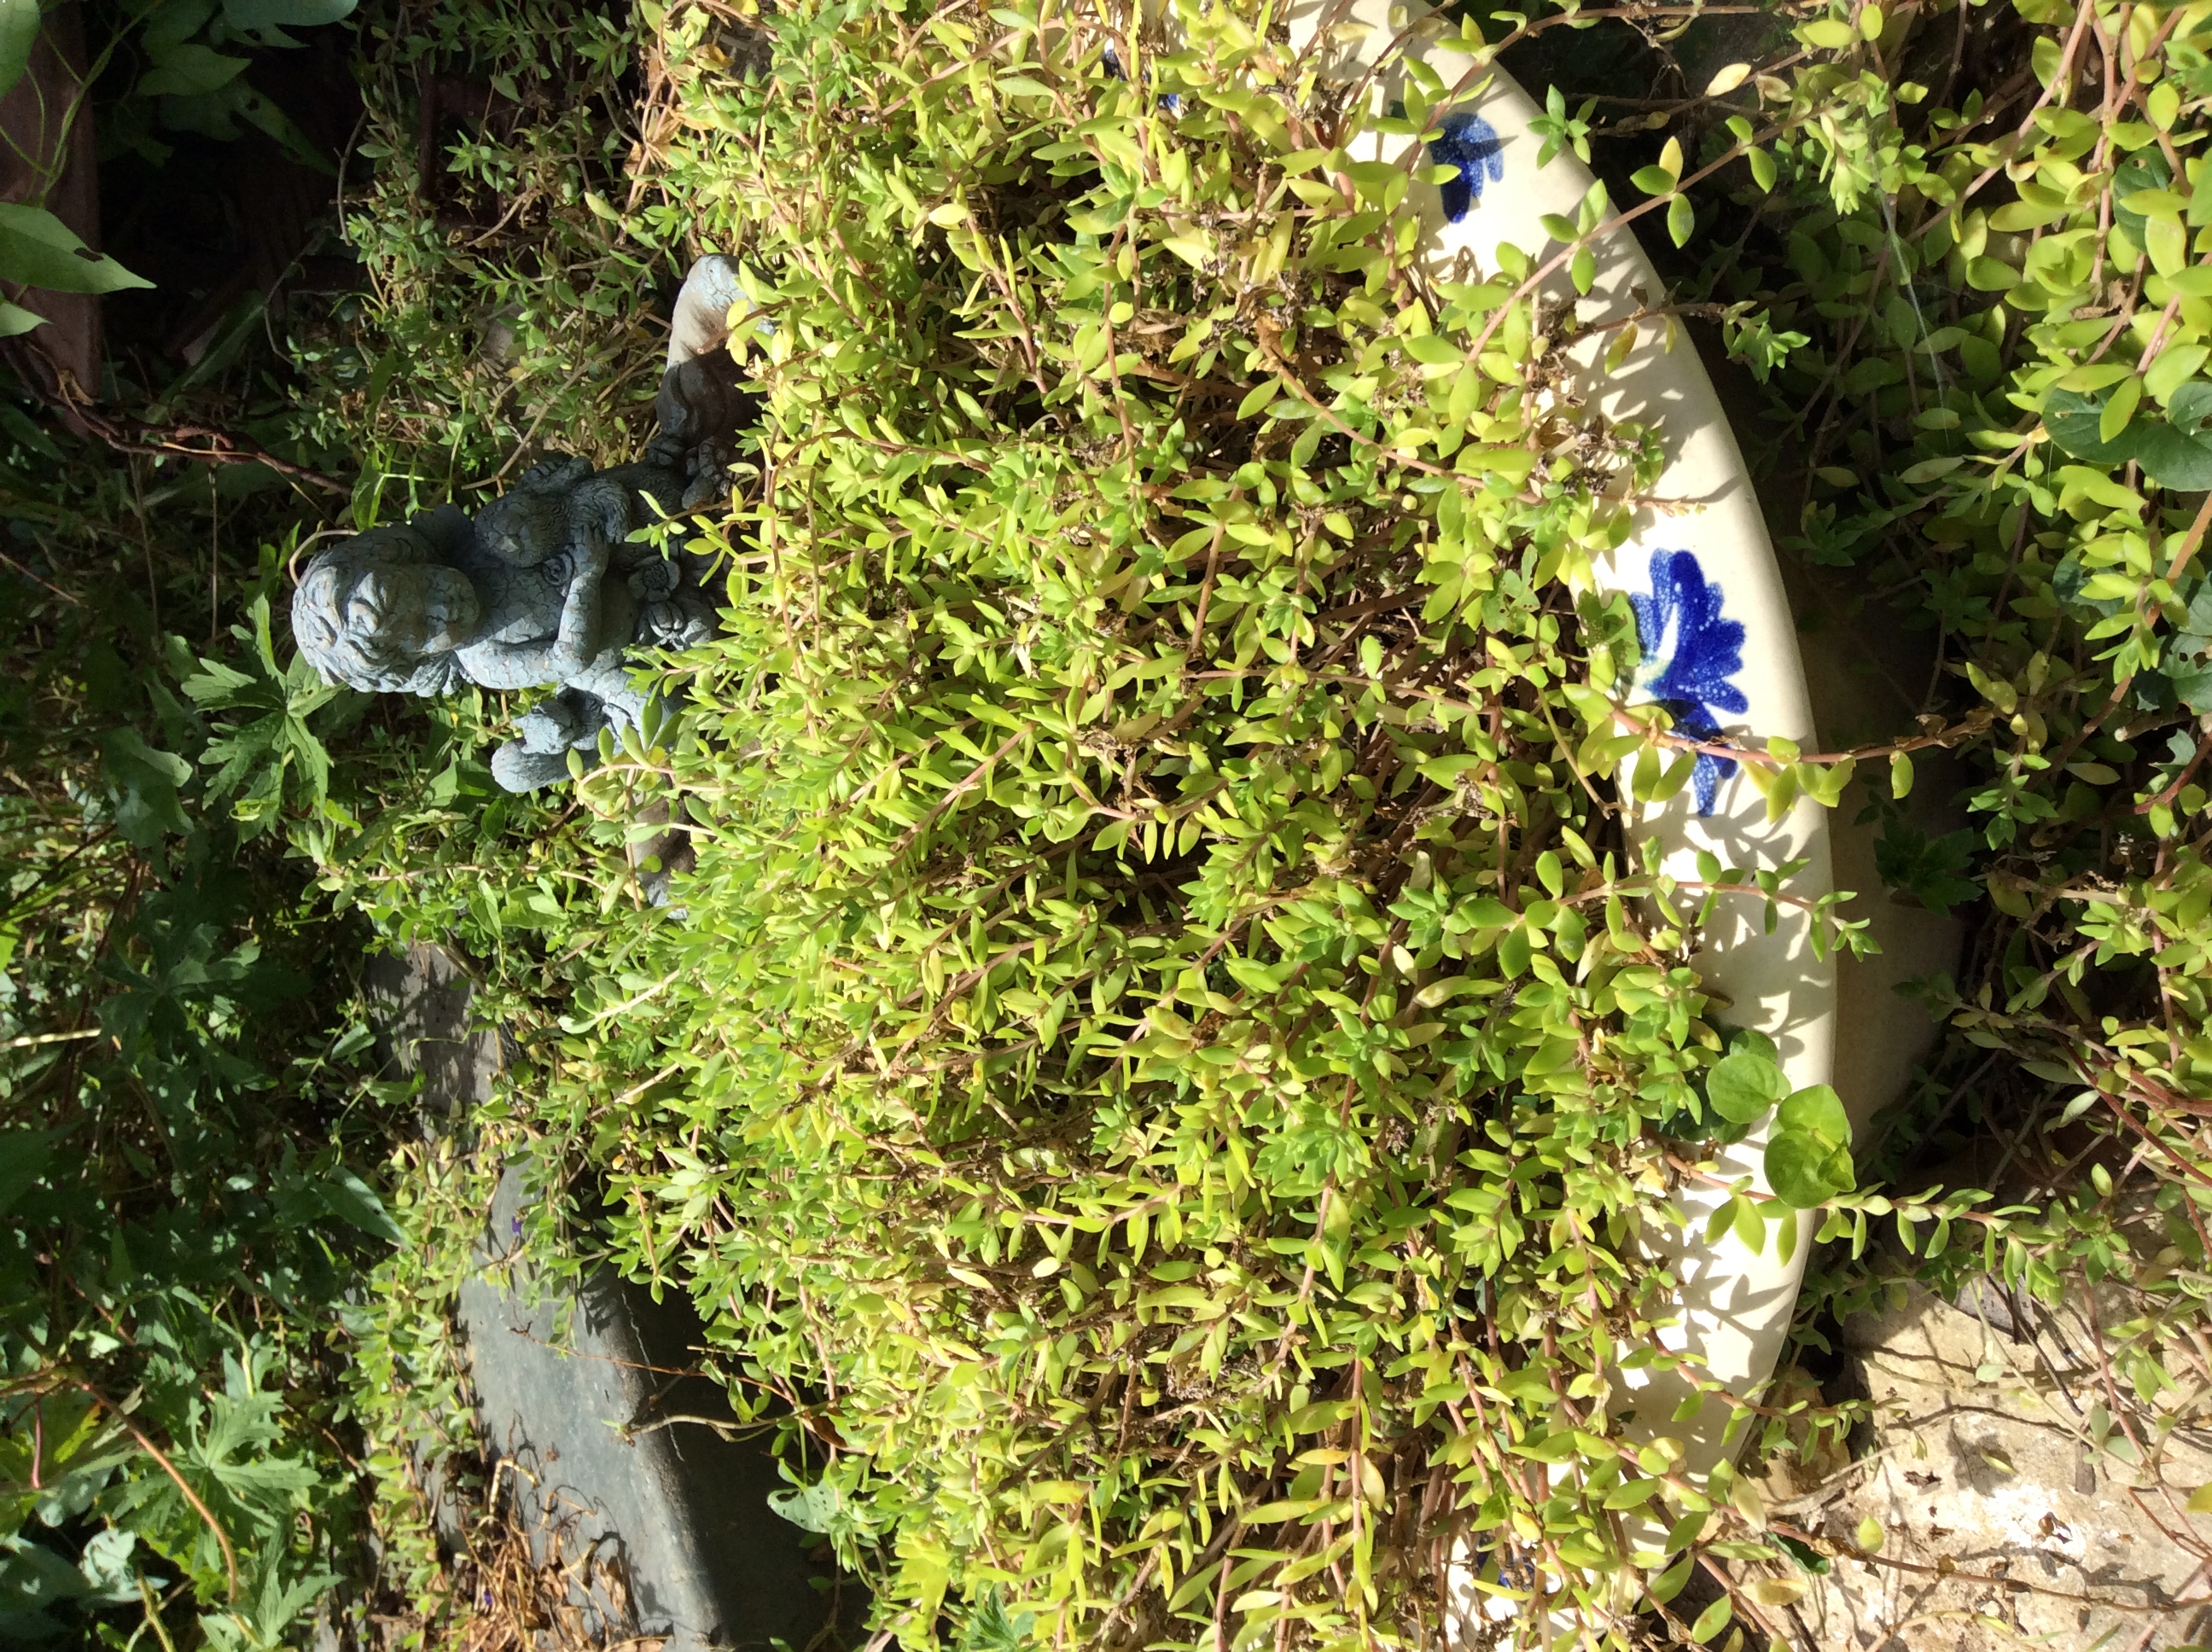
(1737, 1306)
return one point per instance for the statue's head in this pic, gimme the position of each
(381, 613)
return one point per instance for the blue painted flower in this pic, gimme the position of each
(1689, 656)
(1170, 101)
(1470, 143)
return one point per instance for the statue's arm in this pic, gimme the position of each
(572, 647)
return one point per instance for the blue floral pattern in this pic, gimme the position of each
(1690, 655)
(1170, 101)
(1470, 143)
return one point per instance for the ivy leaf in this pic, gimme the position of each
(188, 69)
(262, 16)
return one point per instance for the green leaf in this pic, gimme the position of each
(2074, 422)
(2189, 407)
(351, 1199)
(285, 14)
(188, 69)
(1743, 1087)
(1669, 1583)
(1257, 398)
(1817, 1111)
(2119, 407)
(32, 1577)
(811, 1508)
(1803, 1171)
(14, 320)
(23, 1155)
(1992, 275)
(144, 782)
(2171, 458)
(38, 249)
(1713, 1619)
(18, 33)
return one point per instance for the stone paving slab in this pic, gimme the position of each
(672, 1517)
(662, 1527)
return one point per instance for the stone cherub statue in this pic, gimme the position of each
(544, 587)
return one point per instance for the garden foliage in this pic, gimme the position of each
(184, 1108)
(1161, 1073)
(1988, 304)
(1167, 1062)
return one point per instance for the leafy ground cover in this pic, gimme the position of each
(192, 1135)
(1165, 1061)
(1161, 1062)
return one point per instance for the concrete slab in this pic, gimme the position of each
(663, 1526)
(659, 1529)
(2002, 1525)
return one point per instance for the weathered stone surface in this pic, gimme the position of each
(660, 1528)
(421, 997)
(1979, 1461)
(664, 1523)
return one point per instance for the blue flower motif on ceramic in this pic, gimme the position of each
(1170, 101)
(1690, 655)
(1470, 143)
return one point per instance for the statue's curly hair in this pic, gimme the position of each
(369, 663)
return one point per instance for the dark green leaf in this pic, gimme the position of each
(18, 33)
(351, 1199)
(245, 14)
(188, 69)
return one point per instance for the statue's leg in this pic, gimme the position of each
(517, 768)
(606, 680)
